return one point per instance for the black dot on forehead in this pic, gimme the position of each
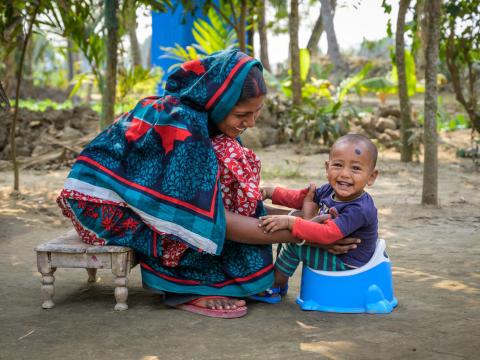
(358, 151)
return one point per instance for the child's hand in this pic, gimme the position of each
(267, 192)
(274, 223)
(309, 207)
(311, 192)
(321, 218)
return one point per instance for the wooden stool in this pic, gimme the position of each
(69, 251)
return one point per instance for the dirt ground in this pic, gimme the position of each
(435, 254)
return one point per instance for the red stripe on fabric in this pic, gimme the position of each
(193, 282)
(182, 281)
(154, 244)
(222, 88)
(246, 278)
(153, 192)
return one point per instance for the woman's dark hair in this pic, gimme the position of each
(254, 85)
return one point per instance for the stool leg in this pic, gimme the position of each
(48, 280)
(92, 275)
(120, 270)
(121, 293)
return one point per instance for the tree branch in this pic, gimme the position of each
(225, 17)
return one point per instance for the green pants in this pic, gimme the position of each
(314, 257)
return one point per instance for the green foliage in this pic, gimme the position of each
(388, 84)
(460, 50)
(320, 116)
(210, 36)
(43, 105)
(312, 122)
(133, 84)
(213, 35)
(447, 121)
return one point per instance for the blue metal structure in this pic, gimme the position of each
(169, 29)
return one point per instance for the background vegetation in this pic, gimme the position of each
(59, 55)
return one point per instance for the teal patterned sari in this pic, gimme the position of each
(152, 178)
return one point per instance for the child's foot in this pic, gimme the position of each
(271, 295)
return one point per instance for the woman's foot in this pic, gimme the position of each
(219, 303)
(216, 306)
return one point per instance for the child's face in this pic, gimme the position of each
(242, 116)
(350, 169)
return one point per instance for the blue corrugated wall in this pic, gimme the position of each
(168, 29)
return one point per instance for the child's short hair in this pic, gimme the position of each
(356, 139)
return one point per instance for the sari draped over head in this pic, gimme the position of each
(158, 160)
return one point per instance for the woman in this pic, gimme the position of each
(151, 182)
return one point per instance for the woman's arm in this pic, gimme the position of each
(272, 210)
(244, 229)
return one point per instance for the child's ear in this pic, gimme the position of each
(373, 177)
(326, 166)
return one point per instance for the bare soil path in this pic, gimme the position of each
(435, 254)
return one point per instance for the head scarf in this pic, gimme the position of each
(158, 159)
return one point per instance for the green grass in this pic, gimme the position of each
(42, 105)
(291, 170)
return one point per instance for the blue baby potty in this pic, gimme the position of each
(368, 289)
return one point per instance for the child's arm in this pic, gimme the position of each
(285, 197)
(327, 233)
(267, 192)
(311, 232)
(310, 207)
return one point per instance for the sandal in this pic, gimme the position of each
(271, 295)
(192, 306)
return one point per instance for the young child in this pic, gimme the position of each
(350, 168)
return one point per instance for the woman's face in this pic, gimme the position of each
(242, 116)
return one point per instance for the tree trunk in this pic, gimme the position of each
(251, 32)
(422, 35)
(317, 32)
(71, 68)
(28, 69)
(406, 120)
(13, 128)
(4, 101)
(295, 53)
(70, 61)
(149, 53)
(333, 48)
(109, 87)
(262, 33)
(131, 23)
(430, 168)
(469, 103)
(241, 26)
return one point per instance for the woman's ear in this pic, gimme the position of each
(373, 177)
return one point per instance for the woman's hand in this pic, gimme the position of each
(343, 246)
